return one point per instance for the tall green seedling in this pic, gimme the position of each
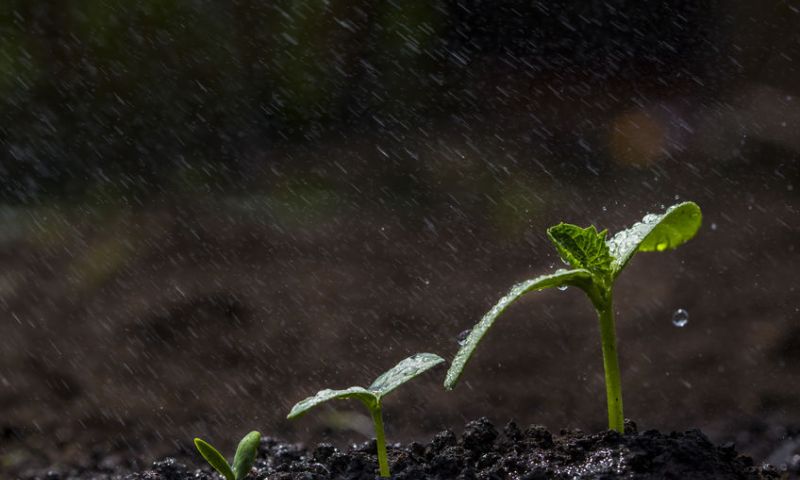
(372, 396)
(596, 263)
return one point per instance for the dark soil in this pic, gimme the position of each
(482, 453)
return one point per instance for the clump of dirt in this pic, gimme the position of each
(483, 453)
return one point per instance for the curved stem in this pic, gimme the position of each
(608, 336)
(380, 438)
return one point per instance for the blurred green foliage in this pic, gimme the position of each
(137, 93)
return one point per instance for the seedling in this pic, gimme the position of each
(596, 263)
(242, 461)
(371, 397)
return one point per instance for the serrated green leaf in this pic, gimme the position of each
(655, 233)
(403, 372)
(581, 247)
(246, 454)
(578, 277)
(214, 458)
(360, 393)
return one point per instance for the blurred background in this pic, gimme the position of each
(210, 210)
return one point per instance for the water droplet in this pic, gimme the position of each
(680, 318)
(662, 245)
(562, 287)
(713, 226)
(462, 337)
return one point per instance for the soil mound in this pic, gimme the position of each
(484, 453)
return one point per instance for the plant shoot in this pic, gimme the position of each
(372, 396)
(596, 263)
(242, 460)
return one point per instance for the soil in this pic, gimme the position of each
(481, 452)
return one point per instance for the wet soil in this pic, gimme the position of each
(481, 452)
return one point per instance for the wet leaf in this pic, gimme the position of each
(385, 383)
(403, 372)
(214, 458)
(578, 277)
(360, 393)
(656, 233)
(582, 247)
(246, 454)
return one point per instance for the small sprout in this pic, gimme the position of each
(371, 397)
(242, 461)
(596, 263)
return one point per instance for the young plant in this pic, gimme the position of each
(372, 396)
(596, 263)
(242, 461)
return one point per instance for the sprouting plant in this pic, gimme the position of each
(372, 396)
(596, 263)
(242, 460)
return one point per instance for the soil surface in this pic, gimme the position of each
(481, 452)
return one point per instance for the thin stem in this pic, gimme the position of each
(380, 438)
(608, 336)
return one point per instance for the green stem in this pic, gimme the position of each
(608, 336)
(380, 437)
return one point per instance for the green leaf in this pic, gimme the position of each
(656, 233)
(214, 458)
(368, 398)
(581, 247)
(246, 454)
(403, 372)
(580, 277)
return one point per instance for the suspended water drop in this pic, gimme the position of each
(562, 287)
(680, 318)
(713, 226)
(462, 337)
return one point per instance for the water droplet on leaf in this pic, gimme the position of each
(562, 287)
(680, 318)
(462, 337)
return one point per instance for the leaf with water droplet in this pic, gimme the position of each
(371, 397)
(385, 383)
(403, 372)
(581, 247)
(359, 393)
(578, 277)
(655, 233)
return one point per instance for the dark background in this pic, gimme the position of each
(210, 210)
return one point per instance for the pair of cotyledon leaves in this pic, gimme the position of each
(242, 460)
(593, 258)
(372, 395)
